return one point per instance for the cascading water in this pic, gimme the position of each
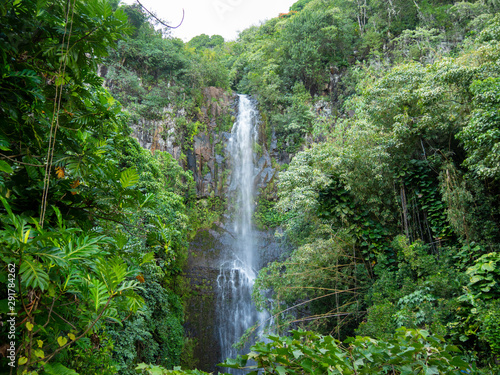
(236, 311)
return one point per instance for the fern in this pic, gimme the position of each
(121, 239)
(128, 285)
(71, 282)
(111, 314)
(148, 257)
(119, 268)
(31, 170)
(134, 301)
(51, 255)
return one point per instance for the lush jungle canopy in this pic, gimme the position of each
(389, 208)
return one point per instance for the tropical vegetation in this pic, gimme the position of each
(386, 117)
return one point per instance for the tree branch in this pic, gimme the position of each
(160, 21)
(20, 162)
(50, 356)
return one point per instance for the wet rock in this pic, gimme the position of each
(202, 147)
(191, 160)
(206, 259)
(263, 162)
(219, 159)
(211, 165)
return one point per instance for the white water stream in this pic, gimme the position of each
(236, 311)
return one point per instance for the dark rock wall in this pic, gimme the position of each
(206, 254)
(206, 156)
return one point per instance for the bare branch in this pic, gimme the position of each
(160, 21)
(11, 158)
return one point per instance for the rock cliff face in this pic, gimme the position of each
(206, 154)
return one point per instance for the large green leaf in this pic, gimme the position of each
(113, 272)
(83, 247)
(32, 274)
(50, 254)
(98, 293)
(4, 143)
(58, 369)
(5, 167)
(129, 177)
(134, 301)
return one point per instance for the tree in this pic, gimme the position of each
(70, 203)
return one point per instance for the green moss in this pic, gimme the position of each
(188, 359)
(219, 148)
(225, 122)
(205, 170)
(266, 216)
(205, 212)
(257, 148)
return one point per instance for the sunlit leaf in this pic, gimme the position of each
(62, 340)
(129, 177)
(5, 167)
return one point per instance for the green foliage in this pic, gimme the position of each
(204, 41)
(420, 293)
(58, 369)
(207, 211)
(299, 5)
(266, 216)
(410, 351)
(145, 369)
(129, 177)
(159, 173)
(327, 288)
(296, 122)
(84, 357)
(388, 215)
(421, 184)
(154, 336)
(379, 322)
(321, 186)
(87, 215)
(61, 264)
(485, 277)
(490, 327)
(207, 69)
(414, 306)
(481, 136)
(400, 189)
(151, 54)
(420, 44)
(317, 36)
(476, 322)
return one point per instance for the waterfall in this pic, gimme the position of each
(236, 311)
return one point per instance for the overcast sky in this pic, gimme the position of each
(222, 17)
